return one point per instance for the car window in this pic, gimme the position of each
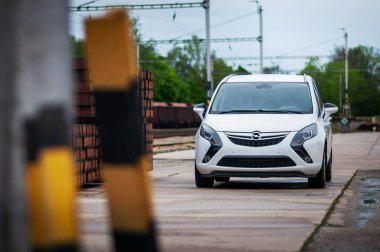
(262, 97)
(318, 98)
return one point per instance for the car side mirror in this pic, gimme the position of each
(330, 109)
(200, 110)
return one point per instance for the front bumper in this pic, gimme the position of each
(314, 148)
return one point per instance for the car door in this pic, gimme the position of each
(324, 120)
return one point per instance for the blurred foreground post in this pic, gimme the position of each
(13, 225)
(35, 121)
(47, 104)
(113, 75)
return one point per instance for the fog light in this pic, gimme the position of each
(307, 159)
(300, 150)
(210, 153)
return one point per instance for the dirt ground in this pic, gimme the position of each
(168, 144)
(354, 222)
(174, 147)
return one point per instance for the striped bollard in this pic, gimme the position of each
(113, 75)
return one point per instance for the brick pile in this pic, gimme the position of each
(145, 96)
(86, 149)
(86, 144)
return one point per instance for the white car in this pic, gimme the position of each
(268, 125)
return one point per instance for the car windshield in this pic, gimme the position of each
(262, 97)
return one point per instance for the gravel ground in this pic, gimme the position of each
(174, 147)
(354, 222)
(173, 144)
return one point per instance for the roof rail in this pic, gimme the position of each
(229, 76)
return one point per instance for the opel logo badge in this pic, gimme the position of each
(256, 135)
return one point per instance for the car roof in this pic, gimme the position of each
(267, 78)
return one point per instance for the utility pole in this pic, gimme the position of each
(260, 38)
(138, 54)
(340, 93)
(206, 5)
(346, 66)
(212, 72)
(346, 106)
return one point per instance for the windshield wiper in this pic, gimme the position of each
(260, 111)
(238, 111)
(288, 111)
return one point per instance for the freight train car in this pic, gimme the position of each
(174, 115)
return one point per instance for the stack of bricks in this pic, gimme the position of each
(86, 145)
(87, 153)
(145, 98)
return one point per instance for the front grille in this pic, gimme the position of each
(261, 140)
(256, 161)
(256, 143)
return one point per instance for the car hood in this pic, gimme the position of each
(259, 122)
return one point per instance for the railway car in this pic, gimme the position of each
(174, 115)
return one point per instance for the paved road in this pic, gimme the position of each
(243, 215)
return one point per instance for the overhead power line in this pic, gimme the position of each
(216, 25)
(307, 71)
(139, 6)
(216, 40)
(313, 45)
(249, 58)
(277, 57)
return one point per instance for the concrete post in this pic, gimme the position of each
(35, 73)
(13, 229)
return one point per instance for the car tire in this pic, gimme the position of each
(329, 168)
(222, 179)
(202, 182)
(320, 180)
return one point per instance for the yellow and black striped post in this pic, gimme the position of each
(113, 75)
(50, 182)
(35, 86)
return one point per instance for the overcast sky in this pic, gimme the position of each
(291, 27)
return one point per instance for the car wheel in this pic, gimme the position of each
(329, 168)
(320, 180)
(202, 182)
(222, 179)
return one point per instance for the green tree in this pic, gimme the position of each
(77, 47)
(364, 79)
(241, 70)
(221, 70)
(275, 69)
(168, 86)
(189, 63)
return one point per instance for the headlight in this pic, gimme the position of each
(304, 134)
(210, 135)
